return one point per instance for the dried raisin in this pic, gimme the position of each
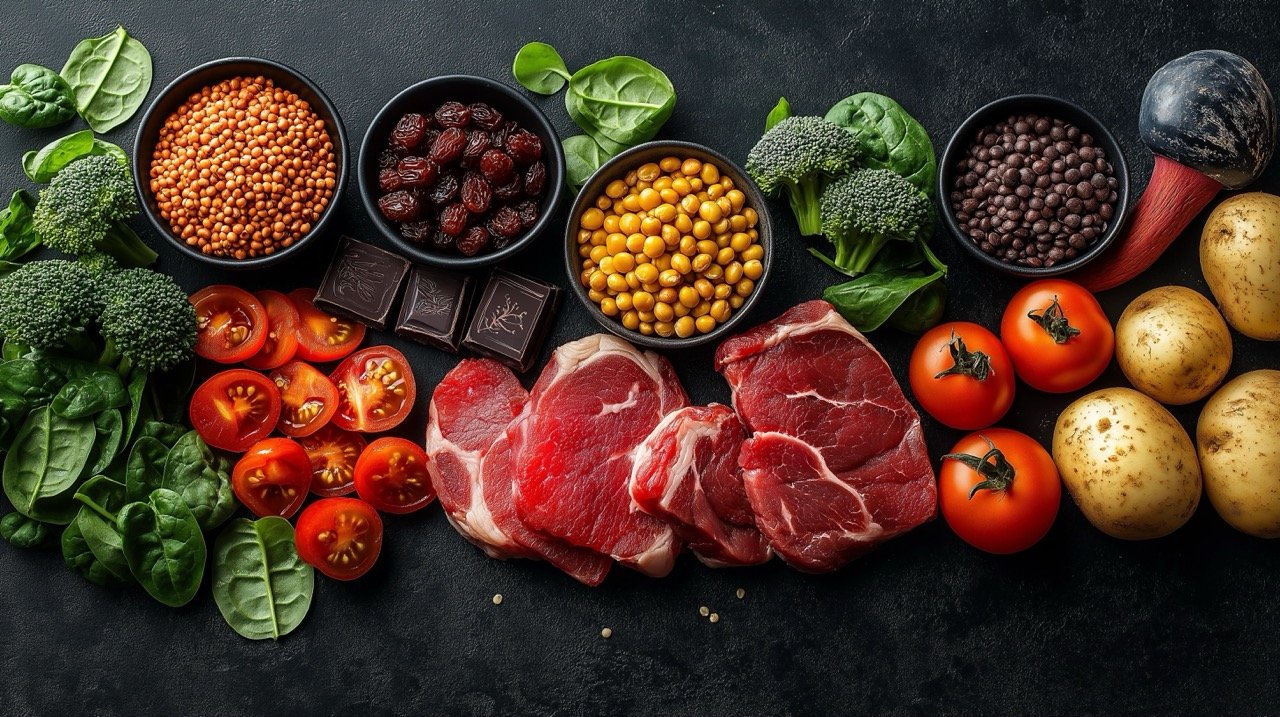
(441, 241)
(389, 179)
(506, 222)
(535, 179)
(419, 232)
(483, 115)
(400, 206)
(453, 219)
(388, 159)
(417, 171)
(448, 146)
(478, 141)
(453, 114)
(409, 131)
(445, 190)
(501, 134)
(496, 166)
(510, 190)
(474, 241)
(524, 147)
(476, 193)
(528, 211)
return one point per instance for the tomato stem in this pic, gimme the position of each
(1054, 322)
(996, 471)
(966, 363)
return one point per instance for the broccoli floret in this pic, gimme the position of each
(98, 264)
(867, 209)
(83, 209)
(800, 155)
(147, 321)
(46, 304)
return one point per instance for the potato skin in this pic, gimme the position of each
(1238, 440)
(1172, 344)
(1128, 464)
(1240, 258)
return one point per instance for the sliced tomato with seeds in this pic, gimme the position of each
(322, 336)
(308, 399)
(376, 390)
(333, 453)
(231, 323)
(234, 409)
(391, 475)
(282, 332)
(340, 537)
(272, 478)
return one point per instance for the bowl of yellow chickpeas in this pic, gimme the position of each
(669, 244)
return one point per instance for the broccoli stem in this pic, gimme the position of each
(126, 246)
(805, 204)
(856, 257)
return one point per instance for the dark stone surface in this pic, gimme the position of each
(1080, 624)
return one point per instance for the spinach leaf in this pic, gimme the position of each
(623, 98)
(164, 547)
(22, 532)
(109, 427)
(36, 97)
(202, 478)
(40, 165)
(137, 390)
(582, 157)
(26, 378)
(262, 588)
(77, 555)
(110, 77)
(539, 68)
(890, 138)
(45, 463)
(870, 300)
(166, 433)
(90, 394)
(144, 471)
(101, 500)
(780, 111)
(17, 232)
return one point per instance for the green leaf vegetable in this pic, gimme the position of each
(164, 547)
(780, 111)
(82, 211)
(582, 157)
(906, 299)
(17, 230)
(110, 77)
(144, 470)
(166, 433)
(262, 588)
(101, 499)
(539, 68)
(202, 478)
(799, 156)
(43, 164)
(890, 138)
(109, 442)
(22, 532)
(866, 209)
(90, 395)
(36, 97)
(80, 558)
(45, 465)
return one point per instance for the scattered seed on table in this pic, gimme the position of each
(497, 599)
(715, 617)
(741, 593)
(606, 633)
(704, 611)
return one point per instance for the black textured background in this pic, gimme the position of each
(1080, 624)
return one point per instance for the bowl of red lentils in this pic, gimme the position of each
(669, 245)
(240, 162)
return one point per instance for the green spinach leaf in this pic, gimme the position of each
(36, 97)
(109, 427)
(623, 98)
(539, 68)
(780, 111)
(41, 165)
(17, 232)
(45, 463)
(144, 471)
(110, 77)
(26, 378)
(582, 157)
(22, 532)
(262, 588)
(870, 300)
(101, 499)
(137, 390)
(890, 138)
(166, 433)
(164, 547)
(90, 394)
(202, 478)
(77, 555)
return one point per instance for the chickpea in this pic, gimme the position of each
(714, 273)
(669, 195)
(710, 173)
(606, 265)
(684, 224)
(751, 216)
(669, 164)
(616, 283)
(744, 288)
(602, 203)
(719, 310)
(596, 296)
(646, 328)
(681, 263)
(737, 223)
(715, 192)
(629, 223)
(725, 256)
(647, 273)
(598, 253)
(598, 281)
(688, 245)
(736, 199)
(623, 262)
(705, 324)
(667, 295)
(670, 277)
(631, 320)
(670, 236)
(663, 263)
(584, 251)
(701, 262)
(689, 297)
(633, 282)
(681, 310)
(704, 288)
(663, 312)
(691, 167)
(611, 223)
(681, 185)
(753, 253)
(608, 307)
(702, 309)
(690, 204)
(736, 302)
(740, 242)
(664, 329)
(685, 327)
(631, 203)
(753, 269)
(592, 219)
(723, 291)
(635, 243)
(624, 301)
(649, 198)
(642, 301)
(666, 212)
(646, 317)
(615, 189)
(616, 243)
(648, 172)
(733, 273)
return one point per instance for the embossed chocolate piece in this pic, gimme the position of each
(362, 283)
(435, 305)
(513, 319)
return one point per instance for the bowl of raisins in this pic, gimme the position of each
(460, 171)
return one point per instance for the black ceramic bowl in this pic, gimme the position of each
(1044, 105)
(617, 168)
(199, 77)
(424, 97)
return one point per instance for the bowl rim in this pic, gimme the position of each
(257, 262)
(959, 142)
(552, 156)
(755, 199)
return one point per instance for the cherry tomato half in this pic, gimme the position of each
(231, 323)
(391, 475)
(282, 332)
(1057, 335)
(961, 374)
(308, 399)
(999, 490)
(333, 453)
(322, 336)
(340, 537)
(376, 390)
(235, 408)
(272, 478)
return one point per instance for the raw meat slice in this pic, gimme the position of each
(686, 473)
(596, 400)
(837, 461)
(470, 412)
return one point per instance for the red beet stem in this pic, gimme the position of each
(1173, 197)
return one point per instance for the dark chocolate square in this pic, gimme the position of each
(362, 283)
(513, 319)
(435, 306)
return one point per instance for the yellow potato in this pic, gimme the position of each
(1128, 464)
(1238, 439)
(1173, 345)
(1240, 258)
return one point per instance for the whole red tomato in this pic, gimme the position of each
(1057, 335)
(961, 375)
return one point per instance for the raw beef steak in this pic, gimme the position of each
(686, 473)
(836, 462)
(596, 400)
(470, 412)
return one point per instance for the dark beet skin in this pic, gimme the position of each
(1212, 111)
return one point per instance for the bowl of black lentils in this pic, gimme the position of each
(1033, 185)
